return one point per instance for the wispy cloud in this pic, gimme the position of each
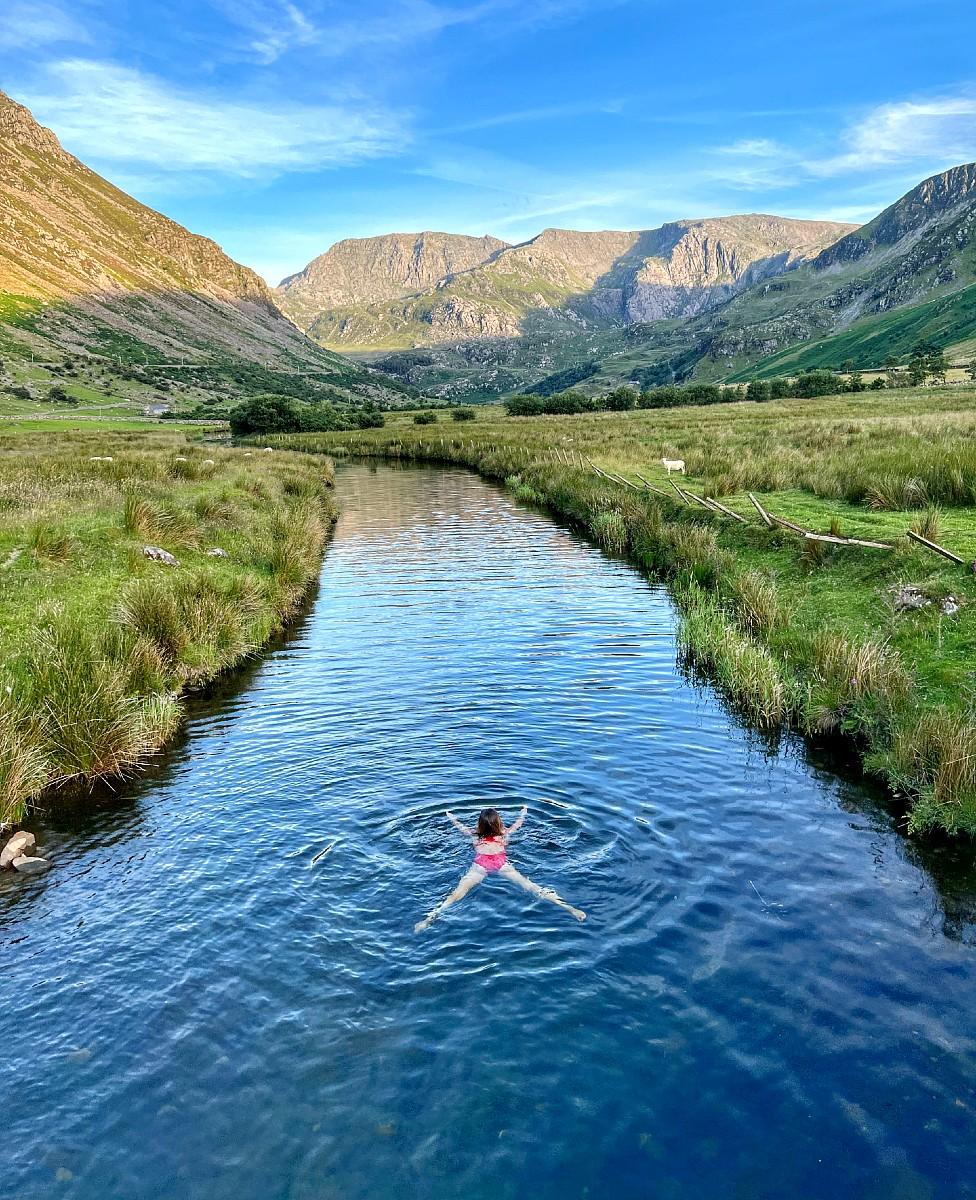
(940, 130)
(525, 116)
(26, 25)
(113, 114)
(272, 28)
(922, 135)
(754, 148)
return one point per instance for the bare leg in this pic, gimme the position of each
(470, 879)
(542, 893)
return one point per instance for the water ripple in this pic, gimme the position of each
(217, 991)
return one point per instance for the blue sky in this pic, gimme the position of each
(280, 126)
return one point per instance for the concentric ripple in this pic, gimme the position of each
(216, 993)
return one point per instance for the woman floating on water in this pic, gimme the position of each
(490, 839)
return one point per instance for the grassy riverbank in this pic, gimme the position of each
(793, 630)
(98, 641)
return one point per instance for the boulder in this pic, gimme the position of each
(949, 606)
(216, 552)
(906, 597)
(20, 843)
(27, 865)
(158, 554)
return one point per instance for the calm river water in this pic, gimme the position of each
(771, 997)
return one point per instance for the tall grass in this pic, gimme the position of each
(95, 653)
(746, 671)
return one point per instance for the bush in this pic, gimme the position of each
(425, 418)
(525, 405)
(280, 414)
(462, 414)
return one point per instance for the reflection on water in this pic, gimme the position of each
(770, 998)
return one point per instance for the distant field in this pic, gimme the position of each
(830, 649)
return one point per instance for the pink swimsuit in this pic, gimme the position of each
(491, 862)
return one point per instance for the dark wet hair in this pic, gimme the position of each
(490, 823)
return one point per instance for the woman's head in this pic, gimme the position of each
(490, 823)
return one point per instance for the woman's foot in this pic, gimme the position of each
(578, 914)
(424, 924)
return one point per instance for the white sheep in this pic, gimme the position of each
(673, 464)
(101, 458)
(208, 462)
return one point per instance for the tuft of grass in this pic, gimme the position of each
(928, 524)
(746, 671)
(758, 606)
(932, 756)
(51, 542)
(90, 720)
(609, 530)
(854, 687)
(23, 764)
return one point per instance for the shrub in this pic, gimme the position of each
(462, 414)
(425, 418)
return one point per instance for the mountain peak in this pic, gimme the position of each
(17, 124)
(386, 267)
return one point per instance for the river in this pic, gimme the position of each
(772, 995)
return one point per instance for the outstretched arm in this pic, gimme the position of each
(518, 822)
(458, 826)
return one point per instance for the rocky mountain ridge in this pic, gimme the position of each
(368, 270)
(564, 277)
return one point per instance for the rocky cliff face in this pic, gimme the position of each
(921, 247)
(99, 260)
(369, 270)
(562, 277)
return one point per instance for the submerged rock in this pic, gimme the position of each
(20, 844)
(30, 866)
(158, 554)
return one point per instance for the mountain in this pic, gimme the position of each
(86, 268)
(583, 279)
(906, 276)
(370, 270)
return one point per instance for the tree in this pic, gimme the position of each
(817, 383)
(971, 369)
(759, 389)
(524, 405)
(917, 371)
(856, 382)
(621, 399)
(938, 365)
(878, 384)
(264, 414)
(847, 366)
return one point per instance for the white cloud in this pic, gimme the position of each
(918, 136)
(25, 25)
(941, 130)
(113, 114)
(753, 148)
